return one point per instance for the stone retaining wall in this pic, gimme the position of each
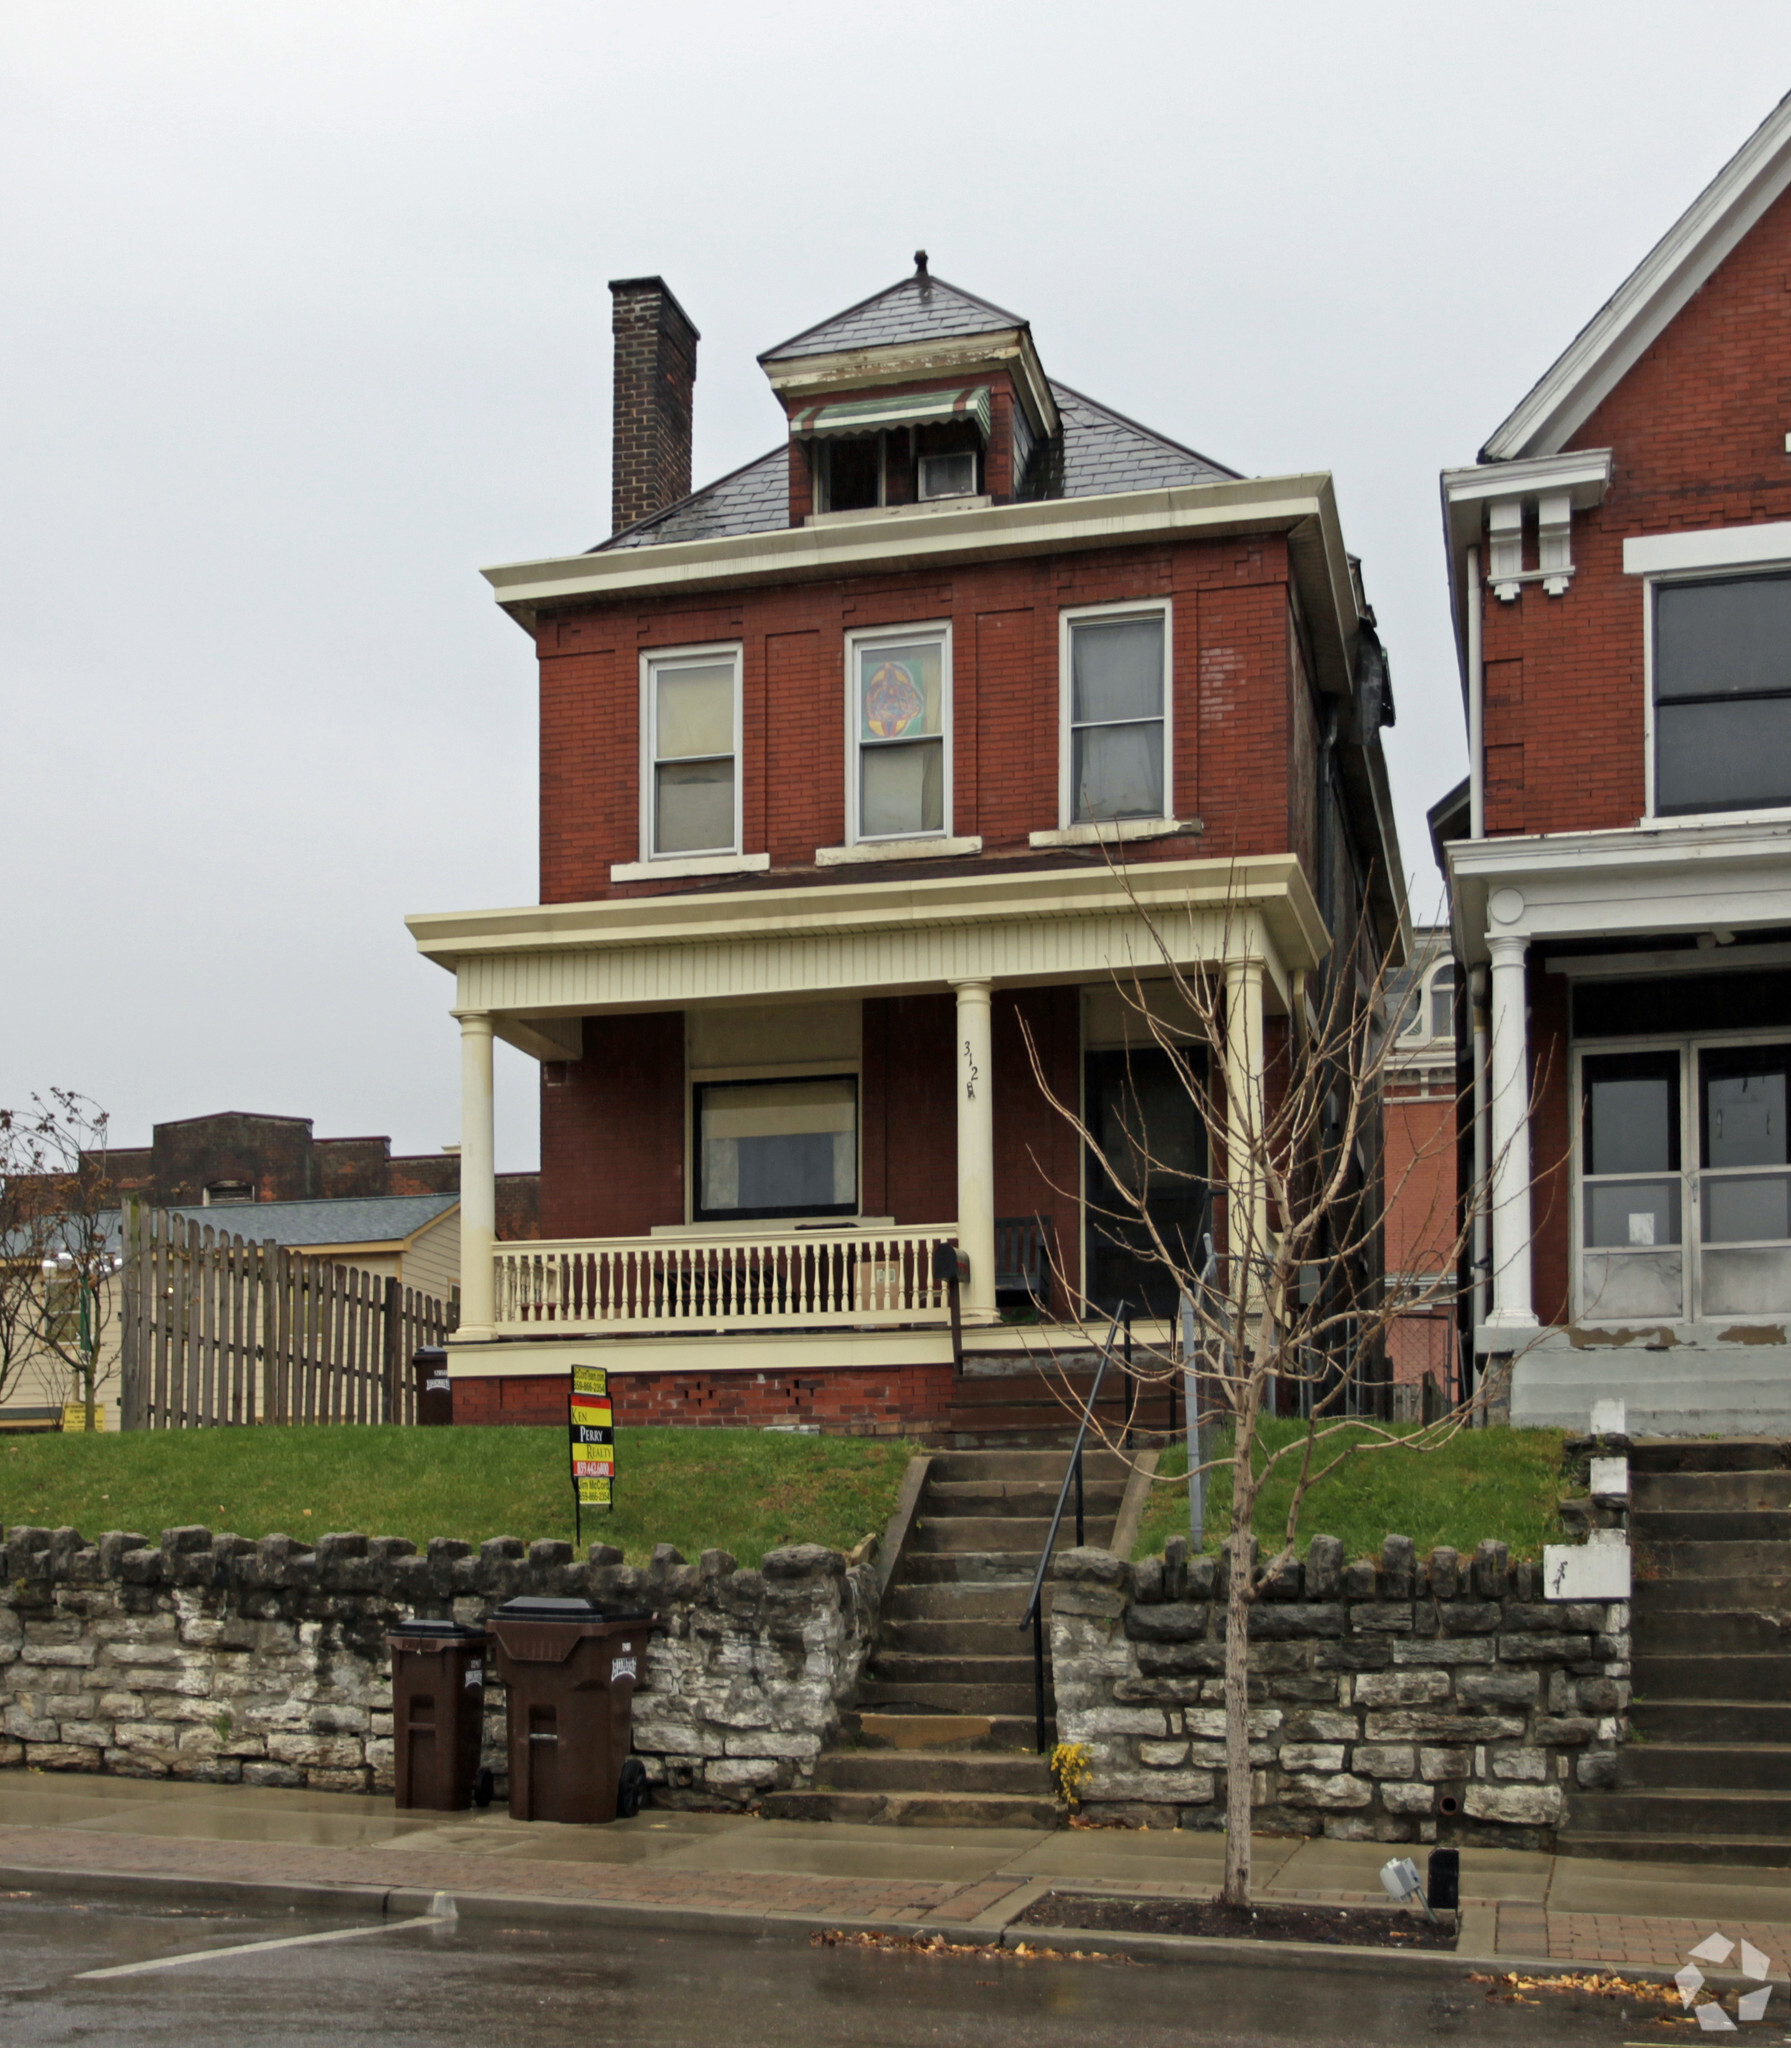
(1434, 1699)
(216, 1658)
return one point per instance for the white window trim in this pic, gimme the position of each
(1691, 1233)
(1070, 832)
(889, 846)
(703, 863)
(1699, 563)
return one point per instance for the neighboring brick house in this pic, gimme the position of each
(1620, 858)
(862, 770)
(1419, 1161)
(232, 1157)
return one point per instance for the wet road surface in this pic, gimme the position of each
(493, 1984)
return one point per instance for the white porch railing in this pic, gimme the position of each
(780, 1280)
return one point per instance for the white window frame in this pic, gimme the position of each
(1714, 554)
(1691, 1171)
(653, 659)
(1153, 607)
(862, 636)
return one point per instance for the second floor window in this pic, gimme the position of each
(901, 687)
(1117, 704)
(693, 727)
(1722, 695)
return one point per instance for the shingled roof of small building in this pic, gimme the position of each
(920, 308)
(1098, 451)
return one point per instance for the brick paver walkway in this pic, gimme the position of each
(1629, 1939)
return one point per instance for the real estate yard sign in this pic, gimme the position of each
(592, 1432)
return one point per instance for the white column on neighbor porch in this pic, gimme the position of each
(976, 1146)
(1246, 1192)
(478, 1175)
(1512, 1313)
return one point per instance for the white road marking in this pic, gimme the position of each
(256, 1948)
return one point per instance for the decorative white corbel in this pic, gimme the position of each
(1505, 533)
(1554, 519)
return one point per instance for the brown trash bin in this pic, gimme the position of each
(438, 1712)
(435, 1390)
(571, 1670)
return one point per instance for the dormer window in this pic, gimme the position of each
(902, 448)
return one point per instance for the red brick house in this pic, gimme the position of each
(861, 768)
(1620, 858)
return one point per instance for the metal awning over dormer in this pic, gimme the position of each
(894, 409)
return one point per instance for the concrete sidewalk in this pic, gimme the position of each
(719, 1869)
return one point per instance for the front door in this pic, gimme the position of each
(1142, 1119)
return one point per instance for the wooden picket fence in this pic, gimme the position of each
(215, 1328)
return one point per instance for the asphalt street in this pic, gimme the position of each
(490, 1983)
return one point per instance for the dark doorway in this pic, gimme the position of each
(1141, 1116)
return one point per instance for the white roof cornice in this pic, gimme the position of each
(1684, 259)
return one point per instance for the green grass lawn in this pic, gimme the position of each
(1503, 1483)
(744, 1490)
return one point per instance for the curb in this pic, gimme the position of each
(406, 1902)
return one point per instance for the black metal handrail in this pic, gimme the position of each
(1035, 1613)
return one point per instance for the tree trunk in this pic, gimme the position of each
(1238, 1549)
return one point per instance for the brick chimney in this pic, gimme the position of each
(656, 349)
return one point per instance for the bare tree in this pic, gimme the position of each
(57, 1230)
(1278, 1292)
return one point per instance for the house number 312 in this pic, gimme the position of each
(972, 1073)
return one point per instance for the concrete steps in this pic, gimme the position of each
(1032, 1407)
(1707, 1778)
(942, 1730)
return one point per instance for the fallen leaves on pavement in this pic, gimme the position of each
(937, 1945)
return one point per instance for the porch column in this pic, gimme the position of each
(478, 1176)
(1512, 1313)
(976, 1148)
(1246, 1192)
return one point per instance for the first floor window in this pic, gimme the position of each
(899, 691)
(1685, 1182)
(1722, 695)
(777, 1148)
(693, 750)
(1118, 693)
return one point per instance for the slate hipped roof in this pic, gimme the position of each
(339, 1219)
(920, 308)
(1096, 452)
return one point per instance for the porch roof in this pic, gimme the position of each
(544, 962)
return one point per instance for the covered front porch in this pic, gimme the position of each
(765, 1111)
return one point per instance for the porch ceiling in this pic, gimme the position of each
(549, 961)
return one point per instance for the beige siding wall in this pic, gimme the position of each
(432, 1263)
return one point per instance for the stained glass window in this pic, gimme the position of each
(900, 699)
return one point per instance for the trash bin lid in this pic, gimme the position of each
(539, 1607)
(438, 1631)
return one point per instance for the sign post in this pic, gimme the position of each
(592, 1435)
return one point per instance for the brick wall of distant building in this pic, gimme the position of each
(280, 1159)
(1420, 1166)
(1231, 681)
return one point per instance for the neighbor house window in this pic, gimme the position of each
(693, 747)
(1116, 699)
(1442, 1002)
(900, 703)
(777, 1148)
(1722, 695)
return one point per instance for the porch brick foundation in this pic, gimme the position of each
(215, 1658)
(849, 1401)
(1393, 1700)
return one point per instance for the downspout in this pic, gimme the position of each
(1476, 705)
(1477, 980)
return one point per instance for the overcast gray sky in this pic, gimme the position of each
(306, 320)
